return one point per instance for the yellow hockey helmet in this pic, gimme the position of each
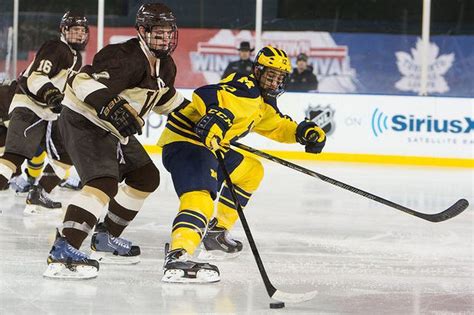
(274, 58)
(271, 69)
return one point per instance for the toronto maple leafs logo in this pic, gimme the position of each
(322, 116)
(410, 68)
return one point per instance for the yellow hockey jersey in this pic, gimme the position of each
(241, 96)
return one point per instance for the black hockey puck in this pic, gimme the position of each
(277, 305)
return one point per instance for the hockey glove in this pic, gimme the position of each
(213, 127)
(316, 147)
(53, 98)
(122, 116)
(311, 136)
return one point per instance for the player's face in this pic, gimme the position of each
(76, 35)
(161, 37)
(272, 79)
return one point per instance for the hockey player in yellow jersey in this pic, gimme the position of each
(218, 115)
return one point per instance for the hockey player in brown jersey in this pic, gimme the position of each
(7, 91)
(35, 165)
(35, 109)
(105, 105)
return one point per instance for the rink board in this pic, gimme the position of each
(370, 128)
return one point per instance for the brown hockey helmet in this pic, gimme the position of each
(157, 14)
(71, 19)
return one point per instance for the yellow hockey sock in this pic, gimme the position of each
(35, 165)
(195, 209)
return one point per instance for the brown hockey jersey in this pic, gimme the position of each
(123, 69)
(54, 62)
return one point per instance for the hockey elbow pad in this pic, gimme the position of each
(213, 126)
(122, 116)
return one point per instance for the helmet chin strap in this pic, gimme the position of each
(63, 37)
(145, 45)
(64, 40)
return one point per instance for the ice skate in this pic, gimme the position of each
(38, 202)
(179, 269)
(108, 249)
(218, 244)
(66, 262)
(22, 186)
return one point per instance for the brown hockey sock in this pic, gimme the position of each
(49, 180)
(118, 218)
(10, 162)
(75, 237)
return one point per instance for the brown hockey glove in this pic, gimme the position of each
(53, 98)
(122, 116)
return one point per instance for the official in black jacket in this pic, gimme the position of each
(244, 64)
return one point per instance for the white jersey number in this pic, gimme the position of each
(45, 66)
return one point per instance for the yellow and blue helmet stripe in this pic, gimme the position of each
(274, 58)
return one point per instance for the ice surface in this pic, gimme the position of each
(362, 257)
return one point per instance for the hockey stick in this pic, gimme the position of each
(271, 290)
(458, 207)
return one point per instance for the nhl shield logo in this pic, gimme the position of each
(322, 116)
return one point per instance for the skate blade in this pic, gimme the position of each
(79, 272)
(202, 276)
(111, 259)
(37, 209)
(216, 255)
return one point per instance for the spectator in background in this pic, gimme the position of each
(302, 78)
(244, 64)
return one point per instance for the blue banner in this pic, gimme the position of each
(390, 64)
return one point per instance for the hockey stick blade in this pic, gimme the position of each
(293, 297)
(458, 207)
(449, 213)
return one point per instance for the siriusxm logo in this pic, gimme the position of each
(382, 122)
